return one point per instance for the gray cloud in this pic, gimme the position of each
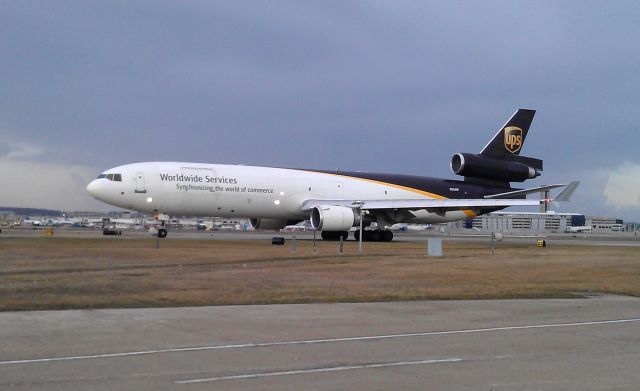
(623, 186)
(46, 185)
(5, 149)
(19, 150)
(376, 86)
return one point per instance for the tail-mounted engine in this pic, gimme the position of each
(511, 168)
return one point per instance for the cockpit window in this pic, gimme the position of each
(111, 177)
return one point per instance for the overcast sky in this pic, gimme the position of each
(378, 86)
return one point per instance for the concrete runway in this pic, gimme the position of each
(586, 344)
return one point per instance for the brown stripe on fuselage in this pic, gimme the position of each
(410, 183)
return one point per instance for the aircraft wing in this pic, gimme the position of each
(456, 204)
(441, 206)
(417, 204)
(565, 195)
(518, 193)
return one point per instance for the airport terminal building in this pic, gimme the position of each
(538, 223)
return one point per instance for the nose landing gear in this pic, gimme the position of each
(160, 225)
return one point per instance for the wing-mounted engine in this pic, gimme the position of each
(512, 168)
(334, 218)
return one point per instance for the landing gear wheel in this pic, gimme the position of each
(162, 233)
(334, 235)
(374, 236)
(327, 235)
(356, 235)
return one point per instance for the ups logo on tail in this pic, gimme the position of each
(513, 139)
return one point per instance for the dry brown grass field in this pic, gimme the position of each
(58, 273)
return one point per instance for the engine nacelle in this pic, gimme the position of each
(333, 218)
(270, 224)
(476, 166)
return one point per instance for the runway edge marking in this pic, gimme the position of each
(319, 370)
(316, 341)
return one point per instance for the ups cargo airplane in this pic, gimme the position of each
(334, 201)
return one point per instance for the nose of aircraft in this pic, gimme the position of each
(92, 188)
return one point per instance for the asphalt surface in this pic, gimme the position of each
(584, 344)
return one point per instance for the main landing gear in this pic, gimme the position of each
(334, 235)
(368, 236)
(377, 235)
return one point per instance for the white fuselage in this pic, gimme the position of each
(199, 189)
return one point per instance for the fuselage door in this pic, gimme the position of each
(140, 186)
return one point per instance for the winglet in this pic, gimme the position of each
(566, 194)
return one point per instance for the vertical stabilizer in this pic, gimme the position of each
(510, 138)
